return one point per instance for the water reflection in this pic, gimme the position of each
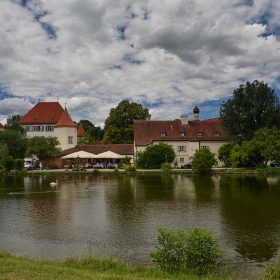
(250, 212)
(119, 214)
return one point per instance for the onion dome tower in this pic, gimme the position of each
(196, 113)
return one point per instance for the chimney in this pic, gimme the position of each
(184, 119)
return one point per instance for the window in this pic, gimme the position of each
(70, 139)
(49, 127)
(27, 128)
(182, 159)
(162, 134)
(182, 133)
(182, 148)
(204, 147)
(217, 133)
(199, 133)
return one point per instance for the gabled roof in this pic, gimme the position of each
(145, 132)
(121, 149)
(43, 113)
(80, 129)
(65, 120)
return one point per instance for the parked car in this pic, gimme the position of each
(187, 166)
(46, 167)
(275, 164)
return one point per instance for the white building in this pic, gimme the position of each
(50, 119)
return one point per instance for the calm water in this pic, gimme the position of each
(118, 215)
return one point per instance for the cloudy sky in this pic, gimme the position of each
(168, 55)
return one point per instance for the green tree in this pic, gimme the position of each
(153, 156)
(43, 147)
(13, 123)
(119, 126)
(264, 147)
(224, 153)
(94, 131)
(4, 152)
(85, 139)
(253, 106)
(203, 160)
(16, 142)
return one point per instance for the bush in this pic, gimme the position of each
(96, 171)
(272, 272)
(18, 164)
(194, 251)
(129, 168)
(116, 170)
(203, 160)
(166, 166)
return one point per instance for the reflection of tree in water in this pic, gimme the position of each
(250, 211)
(130, 205)
(204, 187)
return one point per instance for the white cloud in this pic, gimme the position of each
(168, 55)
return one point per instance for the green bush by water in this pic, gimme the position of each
(195, 251)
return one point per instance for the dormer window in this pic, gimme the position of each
(36, 118)
(217, 133)
(182, 133)
(52, 117)
(199, 133)
(162, 134)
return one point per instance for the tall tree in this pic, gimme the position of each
(253, 106)
(119, 126)
(94, 131)
(43, 147)
(13, 123)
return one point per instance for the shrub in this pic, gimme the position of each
(272, 272)
(96, 171)
(166, 166)
(129, 168)
(18, 164)
(203, 160)
(116, 170)
(194, 251)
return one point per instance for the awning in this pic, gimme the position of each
(108, 154)
(80, 154)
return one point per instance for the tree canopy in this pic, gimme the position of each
(94, 131)
(119, 126)
(253, 106)
(13, 123)
(85, 139)
(153, 156)
(264, 147)
(203, 160)
(16, 142)
(43, 147)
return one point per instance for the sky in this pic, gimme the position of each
(167, 55)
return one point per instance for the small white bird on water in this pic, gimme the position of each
(53, 184)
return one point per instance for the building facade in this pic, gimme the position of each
(185, 136)
(50, 119)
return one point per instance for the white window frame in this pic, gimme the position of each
(162, 134)
(182, 133)
(70, 139)
(182, 160)
(181, 148)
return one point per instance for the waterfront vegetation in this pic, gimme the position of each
(14, 268)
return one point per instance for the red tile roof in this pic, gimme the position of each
(121, 149)
(43, 113)
(65, 120)
(145, 132)
(1, 125)
(80, 129)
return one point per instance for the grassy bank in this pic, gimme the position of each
(19, 268)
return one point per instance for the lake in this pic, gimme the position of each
(118, 215)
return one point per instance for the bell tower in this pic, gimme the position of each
(196, 113)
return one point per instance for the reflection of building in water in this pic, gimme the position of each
(249, 216)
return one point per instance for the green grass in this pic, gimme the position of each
(19, 268)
